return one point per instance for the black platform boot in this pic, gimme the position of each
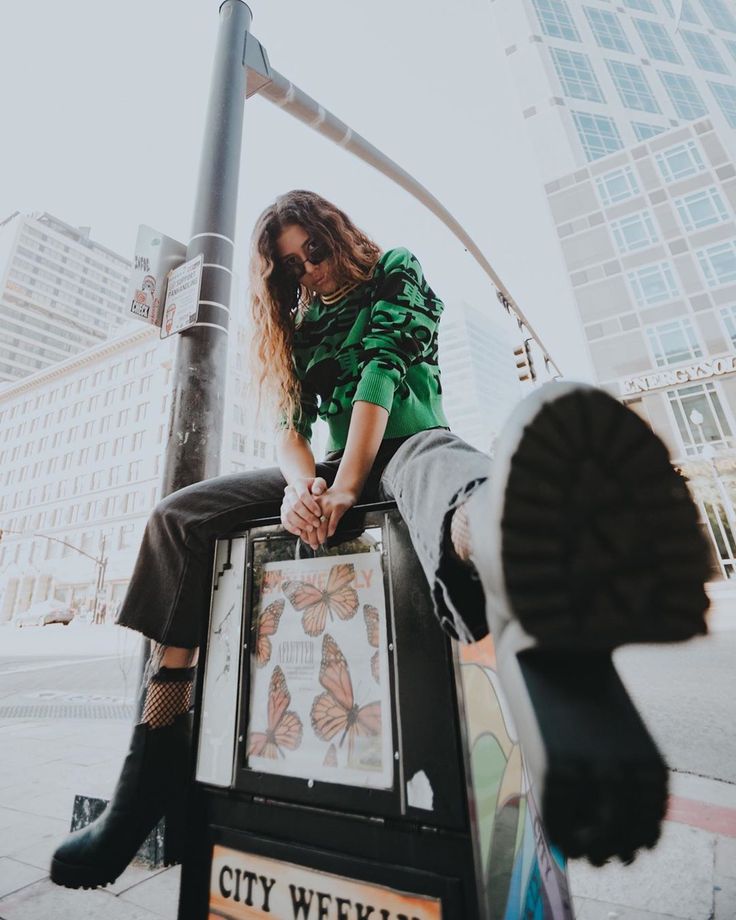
(153, 784)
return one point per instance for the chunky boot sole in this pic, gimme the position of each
(600, 539)
(79, 876)
(585, 538)
(70, 876)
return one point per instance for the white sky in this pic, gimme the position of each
(103, 110)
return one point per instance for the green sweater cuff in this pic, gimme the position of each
(376, 387)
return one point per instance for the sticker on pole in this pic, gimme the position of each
(182, 297)
(244, 886)
(155, 256)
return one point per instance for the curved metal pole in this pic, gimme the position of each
(291, 99)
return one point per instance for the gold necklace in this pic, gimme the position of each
(329, 299)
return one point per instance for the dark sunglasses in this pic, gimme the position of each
(318, 252)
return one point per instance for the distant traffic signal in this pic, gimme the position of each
(524, 361)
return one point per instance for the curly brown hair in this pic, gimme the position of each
(277, 302)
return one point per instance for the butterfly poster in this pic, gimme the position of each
(320, 695)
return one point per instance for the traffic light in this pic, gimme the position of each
(524, 361)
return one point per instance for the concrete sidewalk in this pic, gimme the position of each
(44, 764)
(691, 875)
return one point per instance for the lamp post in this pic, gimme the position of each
(707, 452)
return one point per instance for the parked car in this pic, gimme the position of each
(43, 613)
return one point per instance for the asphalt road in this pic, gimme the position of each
(96, 680)
(687, 696)
(686, 693)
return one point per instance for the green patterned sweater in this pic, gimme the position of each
(378, 344)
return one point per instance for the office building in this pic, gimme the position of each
(479, 380)
(60, 293)
(631, 111)
(81, 460)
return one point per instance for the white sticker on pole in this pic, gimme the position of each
(155, 256)
(182, 297)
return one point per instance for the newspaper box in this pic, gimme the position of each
(351, 762)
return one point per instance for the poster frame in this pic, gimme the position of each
(346, 798)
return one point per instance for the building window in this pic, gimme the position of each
(704, 52)
(687, 13)
(617, 185)
(555, 19)
(726, 98)
(643, 131)
(607, 30)
(684, 95)
(646, 6)
(705, 398)
(718, 263)
(728, 315)
(238, 442)
(680, 162)
(731, 45)
(576, 75)
(701, 209)
(657, 41)
(632, 86)
(125, 538)
(673, 342)
(653, 284)
(634, 231)
(720, 14)
(598, 134)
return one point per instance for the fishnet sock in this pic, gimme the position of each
(168, 695)
(460, 534)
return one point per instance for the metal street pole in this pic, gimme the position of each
(99, 587)
(196, 420)
(200, 369)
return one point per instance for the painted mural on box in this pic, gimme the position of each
(524, 875)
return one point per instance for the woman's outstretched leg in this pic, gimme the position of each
(582, 538)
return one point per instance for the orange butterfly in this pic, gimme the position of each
(284, 725)
(335, 710)
(338, 598)
(267, 624)
(372, 619)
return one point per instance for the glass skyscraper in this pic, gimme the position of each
(631, 112)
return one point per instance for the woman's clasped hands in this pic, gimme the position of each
(312, 511)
